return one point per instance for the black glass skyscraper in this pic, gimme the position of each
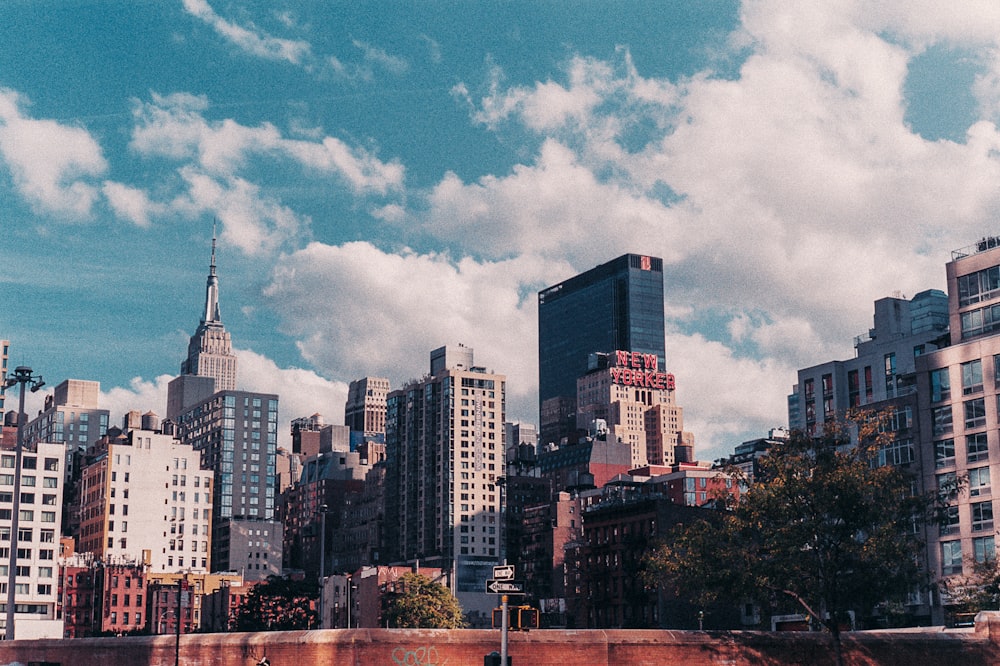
(617, 305)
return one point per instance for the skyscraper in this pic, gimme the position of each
(364, 410)
(445, 451)
(615, 306)
(210, 352)
(236, 433)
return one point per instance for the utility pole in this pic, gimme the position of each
(322, 563)
(21, 375)
(503, 630)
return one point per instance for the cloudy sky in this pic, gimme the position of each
(389, 177)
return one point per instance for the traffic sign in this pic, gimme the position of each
(505, 586)
(505, 572)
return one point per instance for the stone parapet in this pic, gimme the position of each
(429, 647)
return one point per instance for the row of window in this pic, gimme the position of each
(976, 449)
(980, 513)
(983, 550)
(973, 413)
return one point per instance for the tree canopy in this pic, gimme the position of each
(421, 603)
(824, 525)
(278, 604)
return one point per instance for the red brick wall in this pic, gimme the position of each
(421, 647)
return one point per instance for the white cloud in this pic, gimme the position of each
(556, 208)
(52, 165)
(376, 56)
(392, 310)
(131, 203)
(211, 157)
(141, 394)
(784, 200)
(249, 38)
(251, 221)
(300, 392)
(726, 398)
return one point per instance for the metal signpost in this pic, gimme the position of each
(503, 583)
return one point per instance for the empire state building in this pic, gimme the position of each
(210, 352)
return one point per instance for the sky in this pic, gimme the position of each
(389, 177)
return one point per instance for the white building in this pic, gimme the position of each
(39, 518)
(146, 498)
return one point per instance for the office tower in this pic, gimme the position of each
(617, 305)
(445, 450)
(146, 499)
(883, 365)
(364, 411)
(635, 399)
(39, 519)
(236, 433)
(210, 351)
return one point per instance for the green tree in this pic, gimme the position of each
(278, 604)
(977, 591)
(421, 603)
(824, 526)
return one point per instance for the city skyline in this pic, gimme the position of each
(377, 177)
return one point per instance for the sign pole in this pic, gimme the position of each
(503, 630)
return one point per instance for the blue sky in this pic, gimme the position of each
(388, 177)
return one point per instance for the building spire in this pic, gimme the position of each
(212, 314)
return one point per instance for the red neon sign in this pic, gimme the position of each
(641, 371)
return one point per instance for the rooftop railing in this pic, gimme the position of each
(983, 244)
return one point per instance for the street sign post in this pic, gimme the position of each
(504, 572)
(505, 586)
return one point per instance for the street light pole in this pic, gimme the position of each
(322, 561)
(21, 375)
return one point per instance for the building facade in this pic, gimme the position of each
(636, 400)
(883, 368)
(617, 305)
(445, 451)
(37, 538)
(145, 498)
(364, 410)
(236, 434)
(958, 389)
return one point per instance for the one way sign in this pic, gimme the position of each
(504, 572)
(505, 586)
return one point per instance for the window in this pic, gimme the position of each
(944, 453)
(972, 377)
(890, 374)
(896, 452)
(984, 549)
(976, 447)
(978, 286)
(951, 558)
(979, 481)
(975, 413)
(949, 521)
(941, 419)
(982, 516)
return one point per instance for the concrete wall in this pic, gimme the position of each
(424, 647)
